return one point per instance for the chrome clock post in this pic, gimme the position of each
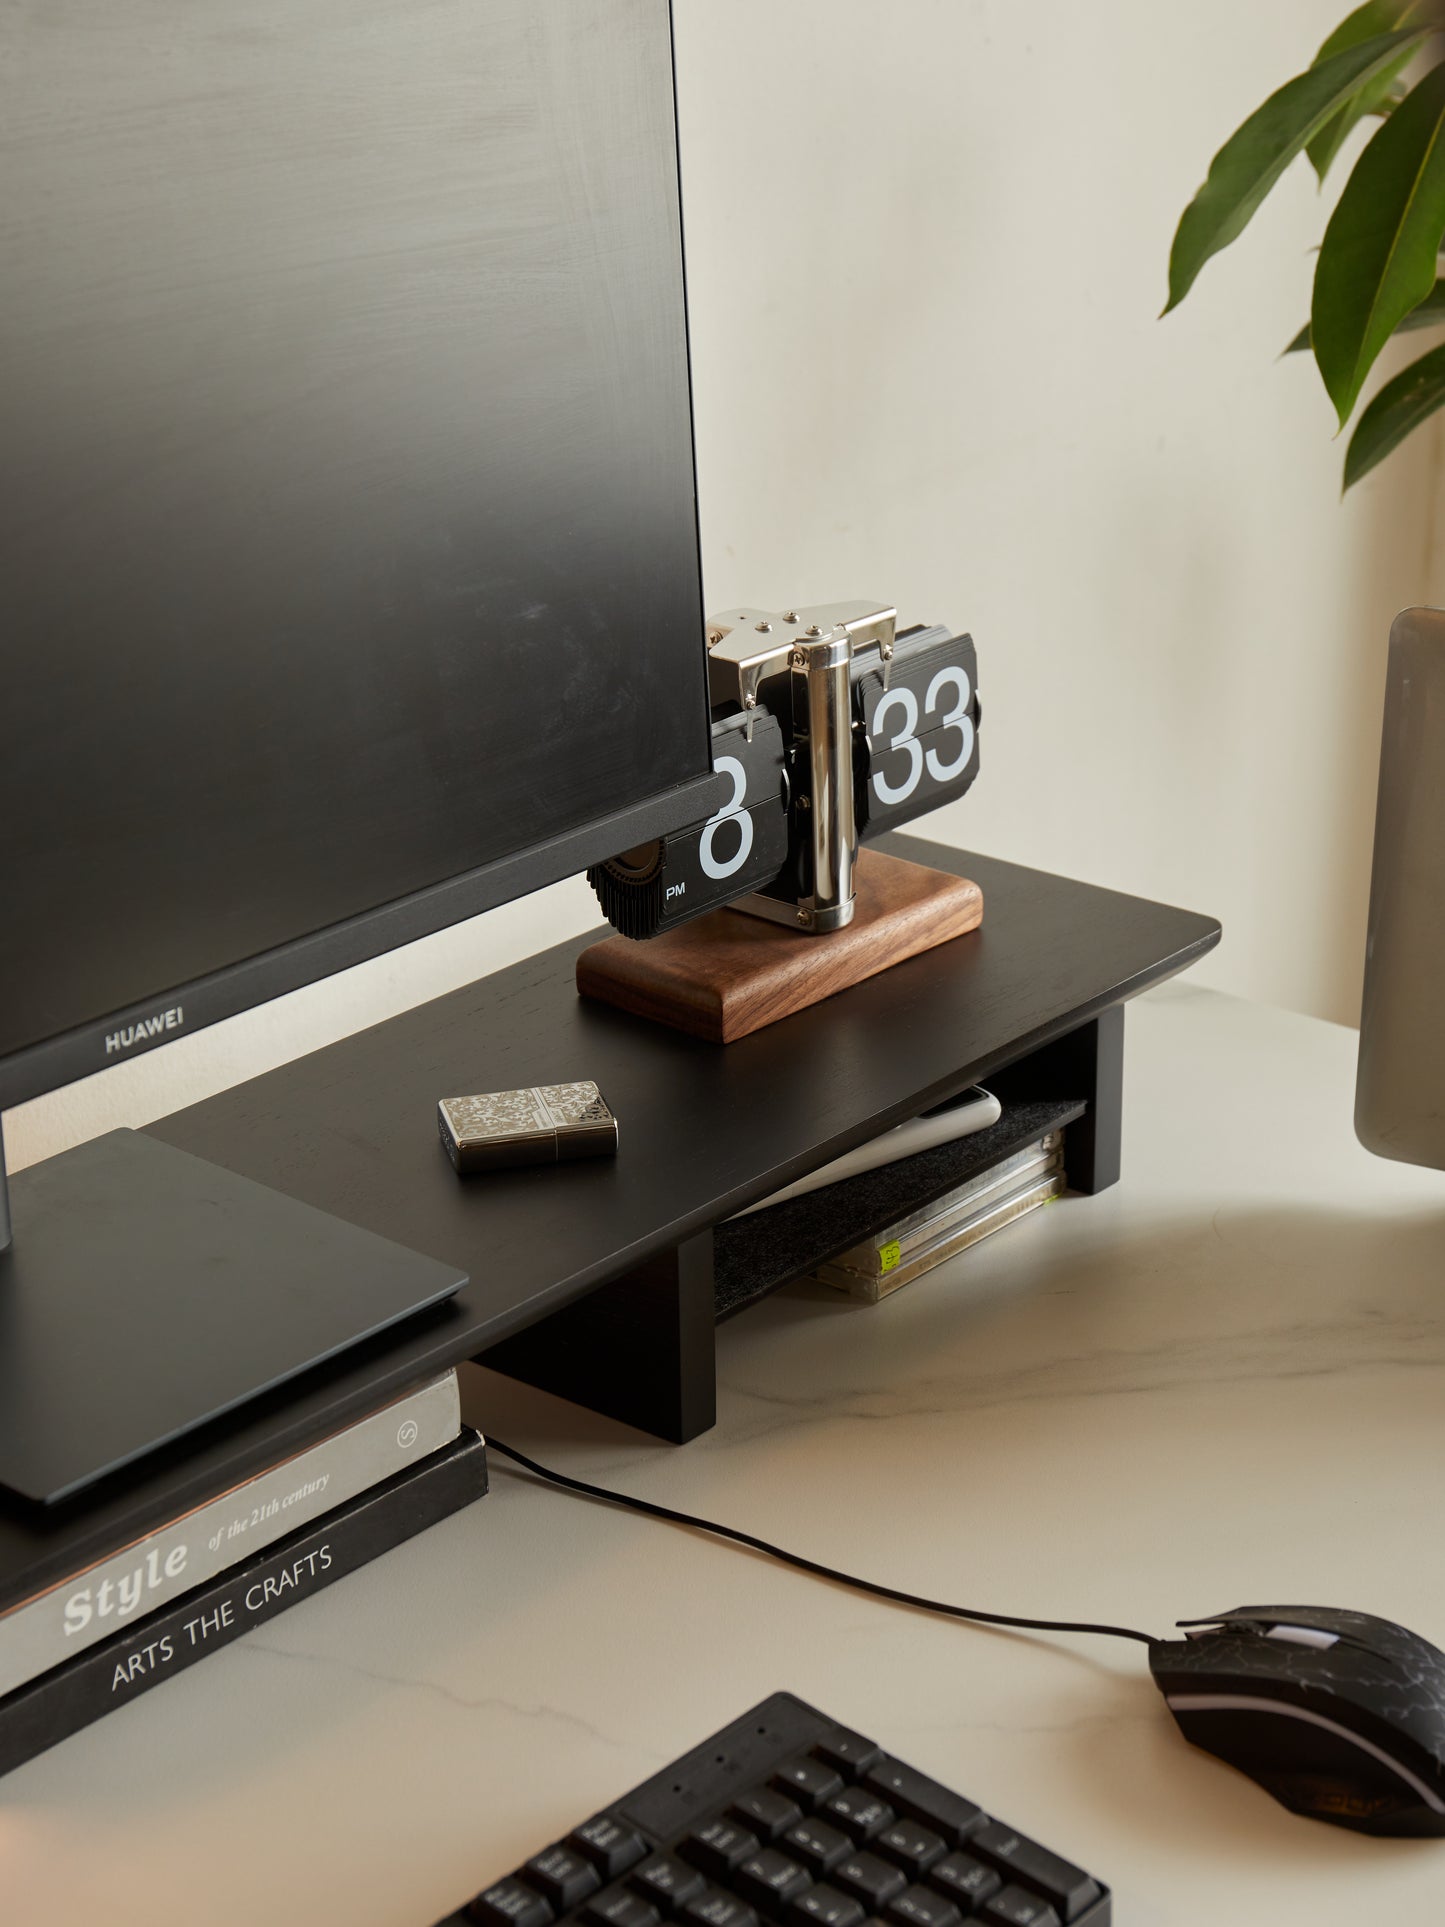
(814, 649)
(822, 710)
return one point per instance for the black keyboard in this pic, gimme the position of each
(785, 1819)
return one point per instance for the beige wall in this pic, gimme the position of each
(926, 246)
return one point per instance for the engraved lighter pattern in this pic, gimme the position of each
(496, 1114)
(575, 1103)
(510, 1114)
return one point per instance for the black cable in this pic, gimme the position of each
(807, 1565)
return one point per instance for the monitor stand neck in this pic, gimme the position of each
(4, 1194)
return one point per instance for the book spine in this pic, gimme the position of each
(131, 1584)
(111, 1675)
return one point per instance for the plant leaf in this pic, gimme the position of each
(1377, 260)
(1377, 95)
(1429, 314)
(1256, 154)
(1401, 405)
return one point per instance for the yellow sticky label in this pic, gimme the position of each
(888, 1257)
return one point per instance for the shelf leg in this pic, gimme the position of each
(1088, 1063)
(640, 1349)
(1091, 1147)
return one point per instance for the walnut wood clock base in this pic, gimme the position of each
(729, 973)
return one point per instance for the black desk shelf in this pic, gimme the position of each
(607, 1267)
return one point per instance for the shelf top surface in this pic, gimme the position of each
(704, 1129)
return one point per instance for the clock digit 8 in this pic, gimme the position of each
(739, 848)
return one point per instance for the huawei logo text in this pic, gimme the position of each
(148, 1027)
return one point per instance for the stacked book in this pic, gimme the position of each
(147, 1610)
(951, 1223)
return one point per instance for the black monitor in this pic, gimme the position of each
(350, 579)
(350, 582)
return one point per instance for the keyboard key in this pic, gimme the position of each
(859, 1812)
(1015, 1908)
(809, 1782)
(871, 1880)
(666, 1882)
(772, 1879)
(817, 1845)
(616, 1907)
(850, 1753)
(608, 1844)
(1066, 1887)
(563, 1876)
(964, 1879)
(912, 1846)
(718, 1847)
(714, 1908)
(826, 1907)
(510, 1903)
(923, 1799)
(767, 1813)
(922, 1907)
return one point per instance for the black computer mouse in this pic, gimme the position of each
(1339, 1715)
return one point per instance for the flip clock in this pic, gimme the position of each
(831, 726)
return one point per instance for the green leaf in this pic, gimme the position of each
(1377, 95)
(1253, 158)
(1377, 260)
(1429, 314)
(1375, 16)
(1401, 405)
(1380, 96)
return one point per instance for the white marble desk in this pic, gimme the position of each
(1222, 1381)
